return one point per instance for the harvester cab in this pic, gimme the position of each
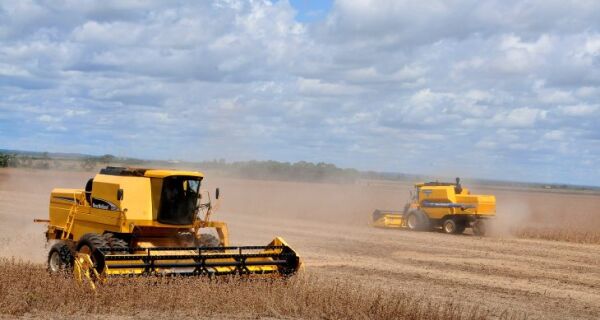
(132, 221)
(448, 206)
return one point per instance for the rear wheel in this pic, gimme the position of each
(89, 244)
(479, 228)
(460, 227)
(60, 258)
(450, 226)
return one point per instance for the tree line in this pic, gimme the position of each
(44, 160)
(267, 170)
(298, 171)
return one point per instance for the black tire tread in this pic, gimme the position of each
(480, 230)
(94, 241)
(208, 240)
(66, 256)
(448, 220)
(424, 224)
(114, 242)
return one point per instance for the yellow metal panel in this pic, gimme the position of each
(484, 204)
(61, 201)
(487, 205)
(101, 216)
(66, 192)
(166, 173)
(153, 223)
(433, 193)
(105, 189)
(137, 198)
(437, 194)
(437, 213)
(389, 221)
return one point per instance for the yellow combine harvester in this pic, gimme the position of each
(438, 204)
(142, 221)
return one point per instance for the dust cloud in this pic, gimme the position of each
(521, 209)
(512, 213)
(348, 204)
(24, 196)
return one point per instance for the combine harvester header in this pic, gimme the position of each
(276, 257)
(132, 221)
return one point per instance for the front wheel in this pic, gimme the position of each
(204, 240)
(208, 240)
(90, 243)
(417, 221)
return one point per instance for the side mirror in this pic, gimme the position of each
(120, 194)
(217, 193)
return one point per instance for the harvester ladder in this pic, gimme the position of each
(70, 220)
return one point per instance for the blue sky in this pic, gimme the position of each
(308, 11)
(489, 89)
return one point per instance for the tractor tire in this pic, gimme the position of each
(418, 221)
(452, 226)
(115, 243)
(60, 258)
(89, 243)
(479, 228)
(449, 226)
(460, 227)
(208, 240)
(186, 239)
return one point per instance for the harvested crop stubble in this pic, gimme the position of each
(569, 235)
(27, 289)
